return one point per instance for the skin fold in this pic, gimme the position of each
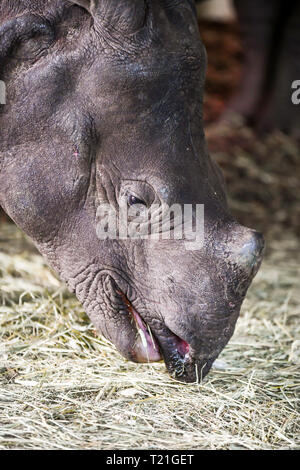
(104, 105)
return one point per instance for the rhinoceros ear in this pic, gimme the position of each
(126, 16)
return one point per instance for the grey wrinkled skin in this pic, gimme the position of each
(107, 95)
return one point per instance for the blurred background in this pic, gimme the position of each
(252, 126)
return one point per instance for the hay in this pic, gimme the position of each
(63, 387)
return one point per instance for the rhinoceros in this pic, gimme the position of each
(104, 108)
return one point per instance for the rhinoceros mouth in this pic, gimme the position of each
(153, 347)
(145, 348)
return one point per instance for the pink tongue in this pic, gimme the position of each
(183, 347)
(146, 348)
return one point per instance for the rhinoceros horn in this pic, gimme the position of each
(126, 16)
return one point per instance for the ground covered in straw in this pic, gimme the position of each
(63, 387)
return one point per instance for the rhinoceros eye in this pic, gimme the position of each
(28, 37)
(135, 200)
